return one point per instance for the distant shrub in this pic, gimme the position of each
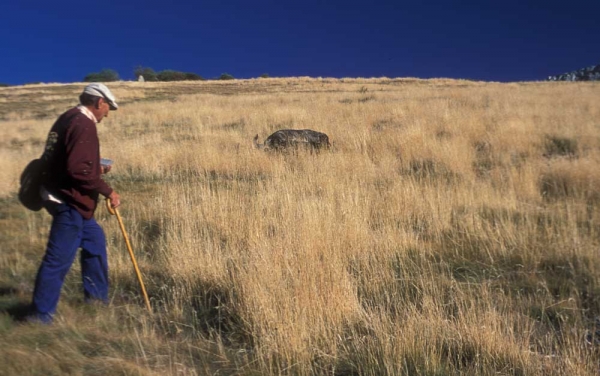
(226, 76)
(193, 77)
(172, 75)
(105, 75)
(556, 185)
(4, 85)
(483, 163)
(571, 179)
(483, 166)
(148, 73)
(264, 75)
(382, 124)
(560, 146)
(427, 169)
(234, 125)
(366, 99)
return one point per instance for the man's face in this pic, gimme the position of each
(103, 109)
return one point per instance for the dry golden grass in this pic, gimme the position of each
(453, 229)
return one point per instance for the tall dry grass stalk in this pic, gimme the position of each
(453, 229)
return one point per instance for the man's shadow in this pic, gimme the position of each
(18, 310)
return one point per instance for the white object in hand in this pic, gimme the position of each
(105, 162)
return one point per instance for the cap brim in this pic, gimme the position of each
(113, 106)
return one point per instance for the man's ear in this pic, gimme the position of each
(98, 103)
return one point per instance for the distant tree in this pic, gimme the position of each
(173, 75)
(4, 85)
(170, 75)
(92, 77)
(264, 75)
(226, 76)
(148, 73)
(105, 75)
(193, 77)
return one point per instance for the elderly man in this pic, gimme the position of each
(70, 192)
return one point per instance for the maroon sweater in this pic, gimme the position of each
(73, 157)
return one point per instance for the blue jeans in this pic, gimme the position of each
(69, 232)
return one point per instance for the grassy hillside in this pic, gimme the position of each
(453, 229)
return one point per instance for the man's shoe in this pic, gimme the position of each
(39, 318)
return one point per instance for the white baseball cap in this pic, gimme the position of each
(100, 90)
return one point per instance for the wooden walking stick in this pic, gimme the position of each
(115, 211)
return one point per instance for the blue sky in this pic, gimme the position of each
(62, 41)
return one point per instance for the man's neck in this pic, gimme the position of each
(90, 112)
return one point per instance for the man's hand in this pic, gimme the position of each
(115, 199)
(105, 169)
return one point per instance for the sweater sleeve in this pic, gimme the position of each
(83, 156)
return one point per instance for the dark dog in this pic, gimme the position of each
(294, 139)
